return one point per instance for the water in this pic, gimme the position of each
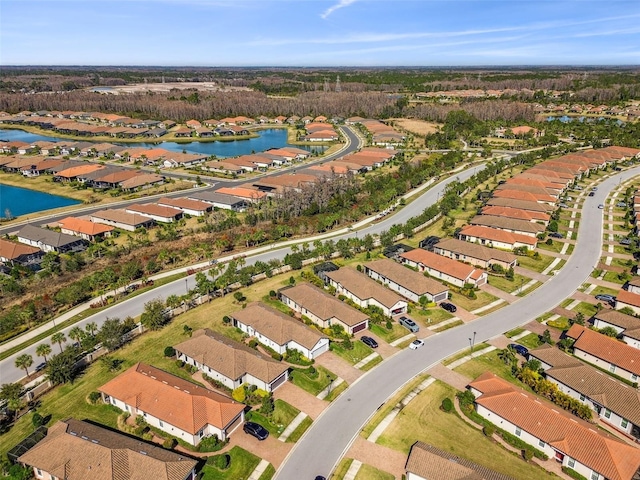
(568, 119)
(271, 138)
(21, 201)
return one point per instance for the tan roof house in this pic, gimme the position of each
(443, 268)
(122, 219)
(230, 362)
(627, 326)
(479, 255)
(73, 447)
(278, 331)
(493, 237)
(175, 406)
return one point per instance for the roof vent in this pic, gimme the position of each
(84, 438)
(74, 434)
(94, 441)
(143, 452)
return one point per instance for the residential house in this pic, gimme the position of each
(426, 462)
(406, 282)
(74, 173)
(142, 182)
(614, 402)
(605, 352)
(174, 405)
(514, 194)
(323, 309)
(493, 237)
(122, 219)
(249, 194)
(364, 291)
(443, 268)
(220, 200)
(521, 205)
(278, 331)
(478, 255)
(114, 179)
(516, 214)
(155, 211)
(12, 253)
(627, 326)
(188, 206)
(512, 225)
(572, 442)
(86, 229)
(231, 363)
(50, 240)
(73, 448)
(280, 183)
(628, 299)
(633, 285)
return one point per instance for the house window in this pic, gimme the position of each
(624, 423)
(38, 472)
(634, 377)
(595, 476)
(518, 431)
(160, 423)
(612, 368)
(582, 397)
(127, 408)
(541, 443)
(607, 413)
(571, 463)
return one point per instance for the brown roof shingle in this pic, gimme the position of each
(473, 250)
(448, 266)
(364, 287)
(413, 281)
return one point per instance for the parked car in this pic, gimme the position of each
(601, 206)
(256, 430)
(320, 477)
(556, 235)
(592, 194)
(621, 204)
(606, 297)
(416, 344)
(449, 307)
(41, 366)
(409, 324)
(625, 241)
(369, 342)
(594, 189)
(563, 205)
(519, 349)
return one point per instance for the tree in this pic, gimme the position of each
(24, 361)
(609, 332)
(91, 328)
(11, 393)
(507, 355)
(153, 316)
(110, 334)
(43, 350)
(546, 337)
(267, 406)
(579, 319)
(76, 334)
(58, 338)
(60, 367)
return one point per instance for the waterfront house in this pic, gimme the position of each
(122, 219)
(85, 229)
(50, 240)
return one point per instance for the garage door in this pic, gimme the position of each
(359, 328)
(278, 381)
(319, 351)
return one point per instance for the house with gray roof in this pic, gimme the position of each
(278, 331)
(50, 240)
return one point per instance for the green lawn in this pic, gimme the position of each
(604, 290)
(336, 391)
(367, 472)
(613, 277)
(283, 414)
(530, 341)
(464, 353)
(448, 326)
(397, 331)
(353, 356)
(538, 265)
(300, 429)
(241, 466)
(561, 323)
(431, 316)
(587, 309)
(372, 363)
(342, 469)
(312, 383)
(482, 298)
(268, 473)
(506, 285)
(514, 332)
(555, 246)
(423, 420)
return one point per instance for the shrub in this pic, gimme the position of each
(222, 462)
(94, 397)
(170, 443)
(253, 343)
(573, 474)
(549, 241)
(179, 363)
(389, 325)
(527, 453)
(239, 394)
(276, 356)
(169, 351)
(489, 430)
(447, 404)
(272, 293)
(210, 444)
(37, 420)
(226, 320)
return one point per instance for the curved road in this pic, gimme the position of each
(331, 434)
(134, 307)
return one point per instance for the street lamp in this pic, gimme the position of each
(330, 385)
(186, 285)
(472, 341)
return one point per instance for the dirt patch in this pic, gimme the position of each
(419, 127)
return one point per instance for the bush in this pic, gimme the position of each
(94, 397)
(276, 356)
(253, 343)
(210, 444)
(179, 364)
(489, 430)
(549, 241)
(169, 351)
(222, 462)
(239, 394)
(37, 420)
(272, 294)
(573, 474)
(447, 405)
(527, 453)
(226, 320)
(389, 325)
(170, 443)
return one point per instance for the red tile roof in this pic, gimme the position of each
(442, 264)
(85, 227)
(497, 235)
(624, 296)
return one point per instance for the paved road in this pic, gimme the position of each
(353, 143)
(134, 306)
(327, 440)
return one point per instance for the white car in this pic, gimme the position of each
(416, 344)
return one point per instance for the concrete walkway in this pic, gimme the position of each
(406, 338)
(365, 360)
(259, 470)
(353, 470)
(488, 307)
(466, 358)
(325, 393)
(292, 426)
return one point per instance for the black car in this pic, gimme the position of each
(556, 235)
(449, 307)
(256, 430)
(370, 342)
(519, 349)
(592, 194)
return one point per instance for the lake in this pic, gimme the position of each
(21, 201)
(270, 138)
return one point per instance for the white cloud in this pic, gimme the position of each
(337, 6)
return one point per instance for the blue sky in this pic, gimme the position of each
(319, 32)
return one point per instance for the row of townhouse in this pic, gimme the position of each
(262, 161)
(320, 131)
(614, 402)
(381, 133)
(626, 326)
(572, 442)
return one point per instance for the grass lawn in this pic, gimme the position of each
(586, 309)
(283, 414)
(300, 429)
(506, 285)
(543, 317)
(464, 353)
(241, 466)
(621, 249)
(561, 323)
(342, 469)
(369, 365)
(555, 246)
(397, 331)
(514, 332)
(336, 391)
(482, 299)
(313, 384)
(531, 263)
(353, 356)
(626, 263)
(530, 341)
(448, 326)
(268, 473)
(613, 277)
(431, 316)
(604, 290)
(423, 420)
(367, 472)
(489, 361)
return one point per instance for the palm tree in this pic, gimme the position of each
(24, 361)
(507, 356)
(91, 328)
(43, 350)
(76, 334)
(59, 338)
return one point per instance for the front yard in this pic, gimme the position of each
(354, 355)
(482, 299)
(507, 285)
(312, 379)
(536, 265)
(282, 415)
(241, 465)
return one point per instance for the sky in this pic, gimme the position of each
(320, 32)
